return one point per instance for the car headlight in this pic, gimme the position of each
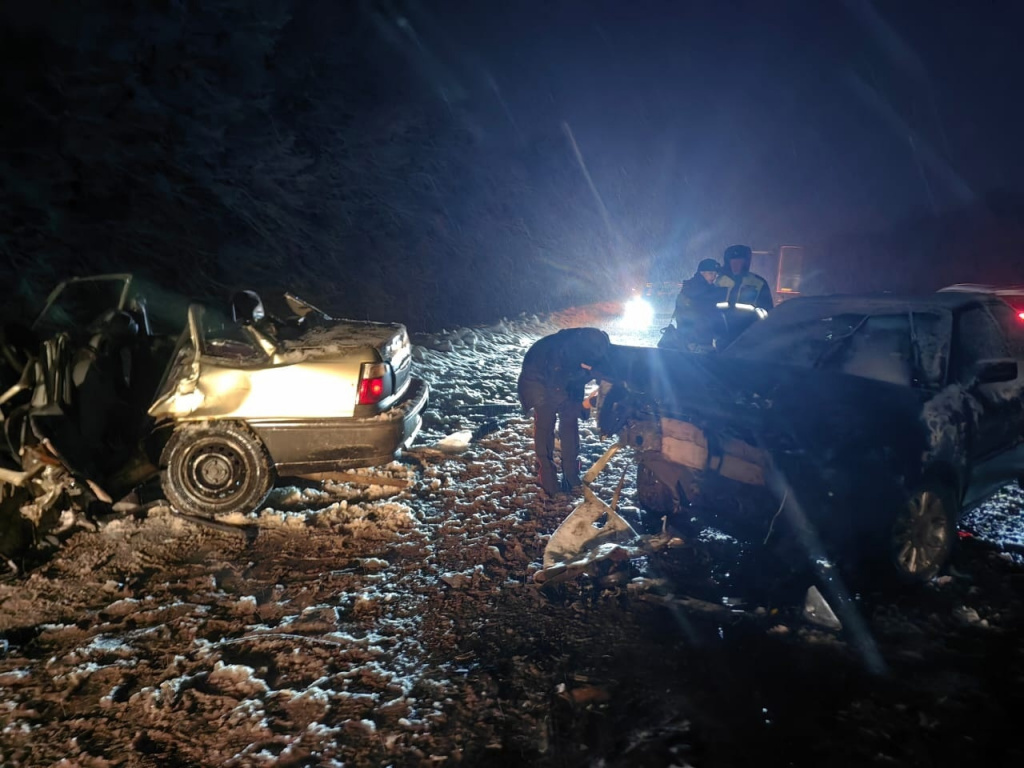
(637, 313)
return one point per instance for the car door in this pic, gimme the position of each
(978, 336)
(1012, 325)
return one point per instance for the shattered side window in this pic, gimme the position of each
(977, 337)
(931, 335)
(905, 349)
(801, 343)
(878, 348)
(1012, 323)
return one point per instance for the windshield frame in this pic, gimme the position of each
(56, 293)
(929, 369)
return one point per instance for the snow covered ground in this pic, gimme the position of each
(398, 624)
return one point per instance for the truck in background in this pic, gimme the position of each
(782, 267)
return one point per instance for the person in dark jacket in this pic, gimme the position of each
(743, 286)
(697, 317)
(554, 373)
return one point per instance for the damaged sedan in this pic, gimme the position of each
(100, 400)
(859, 428)
(256, 398)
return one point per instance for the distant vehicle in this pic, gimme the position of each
(868, 424)
(97, 400)
(782, 268)
(651, 304)
(662, 295)
(1011, 294)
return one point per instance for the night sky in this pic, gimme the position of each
(450, 162)
(767, 121)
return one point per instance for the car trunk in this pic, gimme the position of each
(340, 338)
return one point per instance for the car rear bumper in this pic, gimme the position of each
(314, 445)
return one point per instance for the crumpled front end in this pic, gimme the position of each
(736, 439)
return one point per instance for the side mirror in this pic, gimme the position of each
(994, 371)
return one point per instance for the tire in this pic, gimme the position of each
(652, 494)
(922, 535)
(216, 468)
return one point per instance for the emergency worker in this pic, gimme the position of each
(554, 373)
(697, 316)
(743, 286)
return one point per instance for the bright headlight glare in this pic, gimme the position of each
(637, 313)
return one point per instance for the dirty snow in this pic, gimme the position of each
(396, 622)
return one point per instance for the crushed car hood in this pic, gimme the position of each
(769, 399)
(794, 414)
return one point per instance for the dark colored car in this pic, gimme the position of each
(865, 426)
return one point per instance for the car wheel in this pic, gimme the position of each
(652, 494)
(216, 468)
(923, 533)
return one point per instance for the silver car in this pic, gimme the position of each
(256, 397)
(99, 393)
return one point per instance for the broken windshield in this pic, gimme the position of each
(905, 348)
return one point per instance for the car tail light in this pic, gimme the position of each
(1020, 315)
(371, 382)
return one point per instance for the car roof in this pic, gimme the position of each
(997, 290)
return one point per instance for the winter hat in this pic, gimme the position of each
(737, 252)
(708, 265)
(587, 345)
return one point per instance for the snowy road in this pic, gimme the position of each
(397, 624)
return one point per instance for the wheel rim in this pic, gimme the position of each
(921, 536)
(214, 471)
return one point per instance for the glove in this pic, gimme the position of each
(588, 406)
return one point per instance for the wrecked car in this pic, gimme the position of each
(257, 398)
(859, 427)
(99, 399)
